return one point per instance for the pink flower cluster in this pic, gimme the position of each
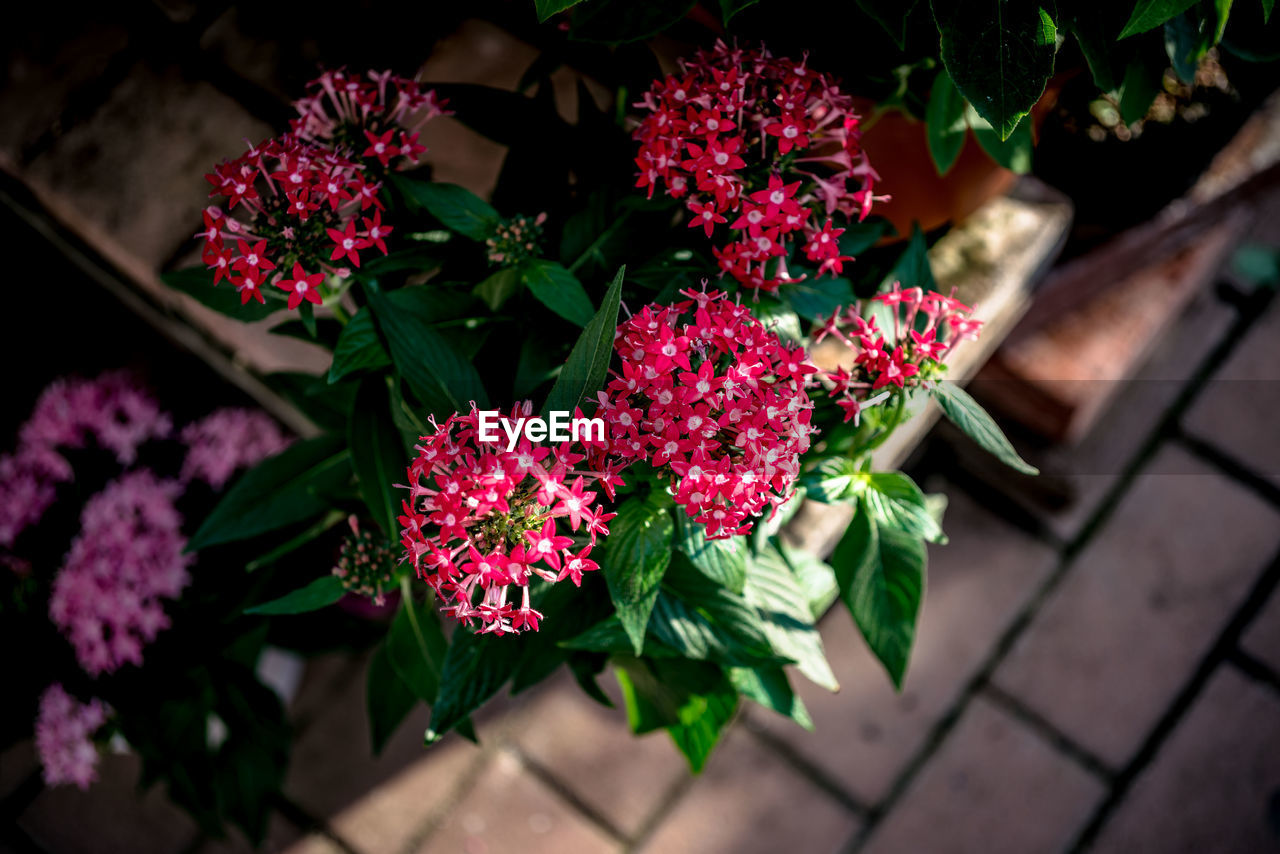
(481, 519)
(377, 120)
(764, 146)
(64, 737)
(127, 557)
(226, 440)
(912, 355)
(709, 395)
(111, 410)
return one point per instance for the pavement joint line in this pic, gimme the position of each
(1222, 651)
(810, 771)
(1158, 434)
(673, 796)
(548, 778)
(1255, 669)
(465, 783)
(1033, 720)
(308, 823)
(1231, 466)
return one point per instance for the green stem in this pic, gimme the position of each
(339, 314)
(406, 602)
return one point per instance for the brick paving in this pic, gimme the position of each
(1099, 671)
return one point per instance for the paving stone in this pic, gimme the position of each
(1214, 785)
(568, 733)
(1262, 636)
(977, 584)
(1075, 478)
(332, 771)
(17, 763)
(509, 810)
(134, 172)
(1141, 605)
(750, 800)
(325, 676)
(51, 62)
(282, 835)
(993, 786)
(1238, 409)
(111, 816)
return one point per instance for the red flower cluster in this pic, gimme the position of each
(912, 355)
(763, 145)
(482, 519)
(300, 217)
(377, 120)
(710, 395)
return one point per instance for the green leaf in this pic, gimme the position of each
(703, 721)
(388, 699)
(1142, 82)
(834, 479)
(892, 15)
(416, 646)
(776, 590)
(1149, 14)
(608, 636)
(1268, 6)
(622, 21)
(817, 579)
(711, 628)
(378, 454)
(770, 687)
(815, 298)
(223, 297)
(547, 8)
(419, 259)
(1013, 153)
(587, 367)
(557, 289)
(1096, 43)
(944, 123)
(636, 555)
(292, 544)
(475, 668)
(693, 700)
(974, 422)
(999, 54)
(896, 502)
(458, 208)
(912, 268)
(499, 287)
(881, 578)
(729, 8)
(278, 491)
(722, 561)
(320, 593)
(1187, 38)
(359, 348)
(440, 376)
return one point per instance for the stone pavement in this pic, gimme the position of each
(1096, 672)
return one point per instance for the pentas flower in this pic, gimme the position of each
(64, 737)
(293, 217)
(515, 240)
(926, 328)
(712, 398)
(226, 440)
(763, 145)
(481, 521)
(376, 118)
(366, 565)
(127, 557)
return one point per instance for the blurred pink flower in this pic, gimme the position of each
(228, 439)
(64, 737)
(127, 557)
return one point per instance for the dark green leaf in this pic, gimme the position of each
(557, 289)
(815, 298)
(621, 21)
(223, 298)
(1268, 6)
(892, 15)
(378, 454)
(999, 55)
(1013, 153)
(896, 502)
(320, 593)
(419, 259)
(547, 8)
(441, 377)
(359, 348)
(1142, 82)
(1097, 43)
(278, 491)
(475, 668)
(458, 208)
(328, 406)
(770, 687)
(1149, 14)
(861, 236)
(388, 699)
(587, 367)
(974, 422)
(723, 561)
(776, 590)
(608, 636)
(881, 578)
(817, 579)
(499, 287)
(912, 268)
(416, 647)
(944, 123)
(693, 700)
(1187, 39)
(729, 8)
(635, 557)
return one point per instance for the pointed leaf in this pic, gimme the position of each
(775, 589)
(458, 208)
(1149, 14)
(557, 289)
(770, 687)
(587, 366)
(388, 699)
(322, 592)
(944, 123)
(722, 561)
(197, 282)
(963, 411)
(378, 454)
(636, 555)
(416, 647)
(896, 502)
